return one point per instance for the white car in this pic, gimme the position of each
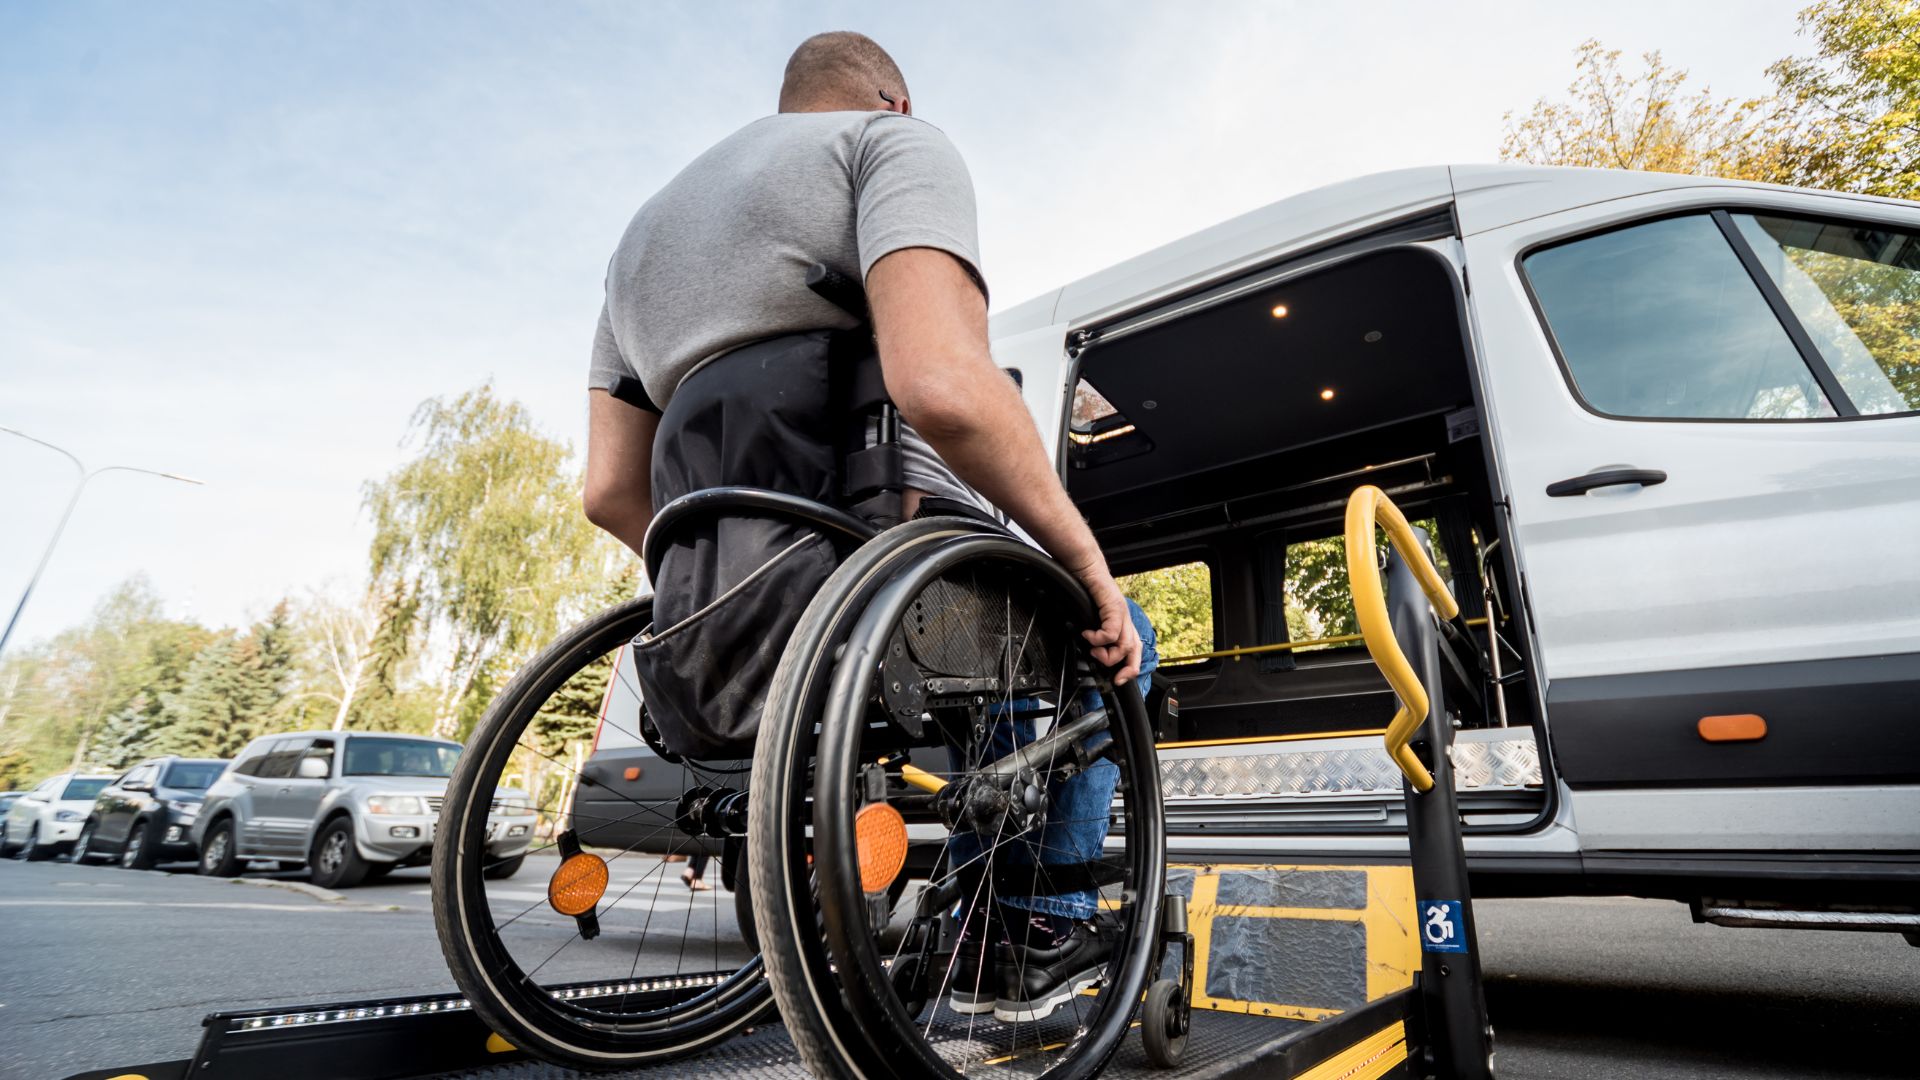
(46, 821)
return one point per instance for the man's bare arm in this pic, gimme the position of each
(619, 488)
(931, 323)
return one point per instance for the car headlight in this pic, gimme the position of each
(395, 804)
(68, 815)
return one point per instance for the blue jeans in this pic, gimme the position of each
(1075, 829)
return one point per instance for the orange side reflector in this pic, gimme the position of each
(880, 837)
(1739, 727)
(633, 772)
(578, 884)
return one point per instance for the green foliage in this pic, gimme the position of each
(236, 689)
(1858, 97)
(482, 533)
(91, 695)
(1178, 601)
(1845, 118)
(1319, 596)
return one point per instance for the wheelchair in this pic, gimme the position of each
(906, 791)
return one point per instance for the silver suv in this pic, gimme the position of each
(349, 805)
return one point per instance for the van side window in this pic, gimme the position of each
(1319, 600)
(1661, 320)
(1178, 601)
(1856, 289)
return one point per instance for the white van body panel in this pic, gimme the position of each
(1769, 542)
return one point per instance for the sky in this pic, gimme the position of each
(243, 241)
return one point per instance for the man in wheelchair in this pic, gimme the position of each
(715, 365)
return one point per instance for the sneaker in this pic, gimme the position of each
(975, 982)
(1042, 977)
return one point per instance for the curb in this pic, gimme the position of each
(316, 892)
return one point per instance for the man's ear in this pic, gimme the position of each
(906, 106)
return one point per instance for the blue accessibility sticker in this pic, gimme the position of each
(1443, 926)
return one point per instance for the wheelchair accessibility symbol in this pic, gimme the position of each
(1442, 928)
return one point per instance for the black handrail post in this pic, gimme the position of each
(1460, 1039)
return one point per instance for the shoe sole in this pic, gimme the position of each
(970, 1005)
(1027, 1012)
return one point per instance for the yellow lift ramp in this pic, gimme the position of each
(1309, 972)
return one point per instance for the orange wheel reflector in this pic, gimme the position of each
(880, 838)
(578, 885)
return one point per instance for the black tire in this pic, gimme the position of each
(141, 851)
(1163, 1030)
(501, 871)
(627, 1019)
(848, 1014)
(82, 853)
(34, 850)
(219, 855)
(743, 905)
(335, 861)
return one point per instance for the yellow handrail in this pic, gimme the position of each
(1368, 509)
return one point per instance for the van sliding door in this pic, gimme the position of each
(1710, 415)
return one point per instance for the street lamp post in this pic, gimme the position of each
(72, 501)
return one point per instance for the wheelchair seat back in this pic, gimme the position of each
(805, 416)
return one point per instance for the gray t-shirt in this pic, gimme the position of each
(718, 258)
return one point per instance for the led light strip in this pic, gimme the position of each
(445, 1005)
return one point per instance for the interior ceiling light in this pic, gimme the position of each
(1279, 311)
(1326, 395)
(1371, 336)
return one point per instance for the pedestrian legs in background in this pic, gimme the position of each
(695, 871)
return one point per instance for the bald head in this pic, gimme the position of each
(842, 70)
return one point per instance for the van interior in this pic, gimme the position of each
(1213, 445)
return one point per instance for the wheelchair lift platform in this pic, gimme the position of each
(1299, 971)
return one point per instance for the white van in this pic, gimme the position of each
(1665, 431)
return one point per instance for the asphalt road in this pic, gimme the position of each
(103, 967)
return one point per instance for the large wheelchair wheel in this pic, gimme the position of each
(933, 708)
(610, 959)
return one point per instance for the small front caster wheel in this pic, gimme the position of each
(1163, 1024)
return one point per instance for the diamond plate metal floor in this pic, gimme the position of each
(1223, 1046)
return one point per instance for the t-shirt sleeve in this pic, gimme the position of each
(911, 189)
(607, 366)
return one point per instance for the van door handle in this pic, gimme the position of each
(1599, 478)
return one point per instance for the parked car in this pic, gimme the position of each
(46, 821)
(144, 817)
(7, 799)
(348, 805)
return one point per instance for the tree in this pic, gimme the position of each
(482, 533)
(1861, 90)
(1846, 118)
(90, 697)
(1648, 120)
(1178, 601)
(235, 690)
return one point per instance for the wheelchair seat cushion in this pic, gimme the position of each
(731, 588)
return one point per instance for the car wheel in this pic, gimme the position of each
(83, 847)
(34, 851)
(336, 860)
(505, 868)
(138, 854)
(218, 857)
